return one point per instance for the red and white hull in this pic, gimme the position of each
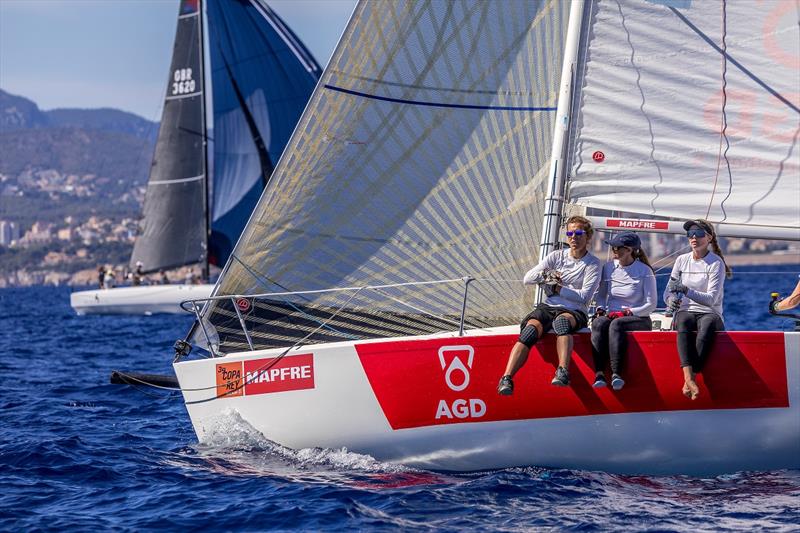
(141, 300)
(431, 402)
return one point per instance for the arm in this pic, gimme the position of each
(716, 277)
(535, 275)
(650, 298)
(667, 296)
(601, 298)
(591, 279)
(791, 302)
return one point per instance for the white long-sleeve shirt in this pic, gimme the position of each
(579, 279)
(627, 287)
(705, 278)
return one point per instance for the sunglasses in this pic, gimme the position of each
(696, 233)
(576, 233)
(618, 248)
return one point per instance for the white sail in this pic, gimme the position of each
(692, 109)
(421, 156)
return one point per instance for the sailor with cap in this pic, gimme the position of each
(625, 298)
(695, 288)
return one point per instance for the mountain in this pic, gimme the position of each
(19, 113)
(104, 142)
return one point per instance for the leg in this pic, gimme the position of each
(686, 324)
(618, 338)
(707, 326)
(600, 346)
(519, 353)
(563, 326)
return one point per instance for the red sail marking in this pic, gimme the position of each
(746, 370)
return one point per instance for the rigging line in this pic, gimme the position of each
(422, 311)
(724, 111)
(778, 177)
(738, 65)
(641, 109)
(723, 118)
(435, 104)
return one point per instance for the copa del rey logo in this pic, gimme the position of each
(456, 376)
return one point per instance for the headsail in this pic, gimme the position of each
(262, 77)
(173, 227)
(420, 157)
(692, 109)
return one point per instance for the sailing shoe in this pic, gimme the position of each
(599, 381)
(561, 379)
(506, 386)
(617, 382)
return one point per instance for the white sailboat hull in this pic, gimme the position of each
(141, 300)
(431, 403)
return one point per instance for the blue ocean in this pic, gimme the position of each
(79, 453)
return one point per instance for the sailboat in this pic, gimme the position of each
(239, 80)
(374, 296)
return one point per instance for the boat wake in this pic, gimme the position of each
(235, 446)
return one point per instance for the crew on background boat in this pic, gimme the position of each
(162, 278)
(695, 289)
(109, 279)
(784, 304)
(101, 274)
(137, 274)
(625, 299)
(569, 279)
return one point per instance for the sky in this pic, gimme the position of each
(116, 53)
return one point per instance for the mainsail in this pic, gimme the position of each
(691, 109)
(421, 157)
(260, 78)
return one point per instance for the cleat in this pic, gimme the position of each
(599, 381)
(506, 386)
(617, 382)
(561, 379)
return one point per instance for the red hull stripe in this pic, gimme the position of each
(446, 381)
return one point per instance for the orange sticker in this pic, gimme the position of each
(229, 380)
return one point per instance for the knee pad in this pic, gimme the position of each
(528, 336)
(561, 325)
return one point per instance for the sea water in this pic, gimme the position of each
(81, 454)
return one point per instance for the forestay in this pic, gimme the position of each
(691, 109)
(420, 157)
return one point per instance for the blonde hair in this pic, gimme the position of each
(583, 221)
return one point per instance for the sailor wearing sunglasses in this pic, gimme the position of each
(625, 299)
(569, 278)
(696, 289)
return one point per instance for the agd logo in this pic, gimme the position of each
(456, 376)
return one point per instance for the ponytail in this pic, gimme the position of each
(718, 251)
(640, 254)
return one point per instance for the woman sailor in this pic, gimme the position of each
(569, 278)
(695, 289)
(625, 299)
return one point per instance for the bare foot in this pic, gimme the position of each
(693, 389)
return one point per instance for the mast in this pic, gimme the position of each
(206, 196)
(558, 161)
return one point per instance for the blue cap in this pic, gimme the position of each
(626, 238)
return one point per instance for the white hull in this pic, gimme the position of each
(142, 300)
(414, 405)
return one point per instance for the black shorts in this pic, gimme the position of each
(547, 313)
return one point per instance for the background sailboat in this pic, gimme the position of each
(221, 133)
(417, 182)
